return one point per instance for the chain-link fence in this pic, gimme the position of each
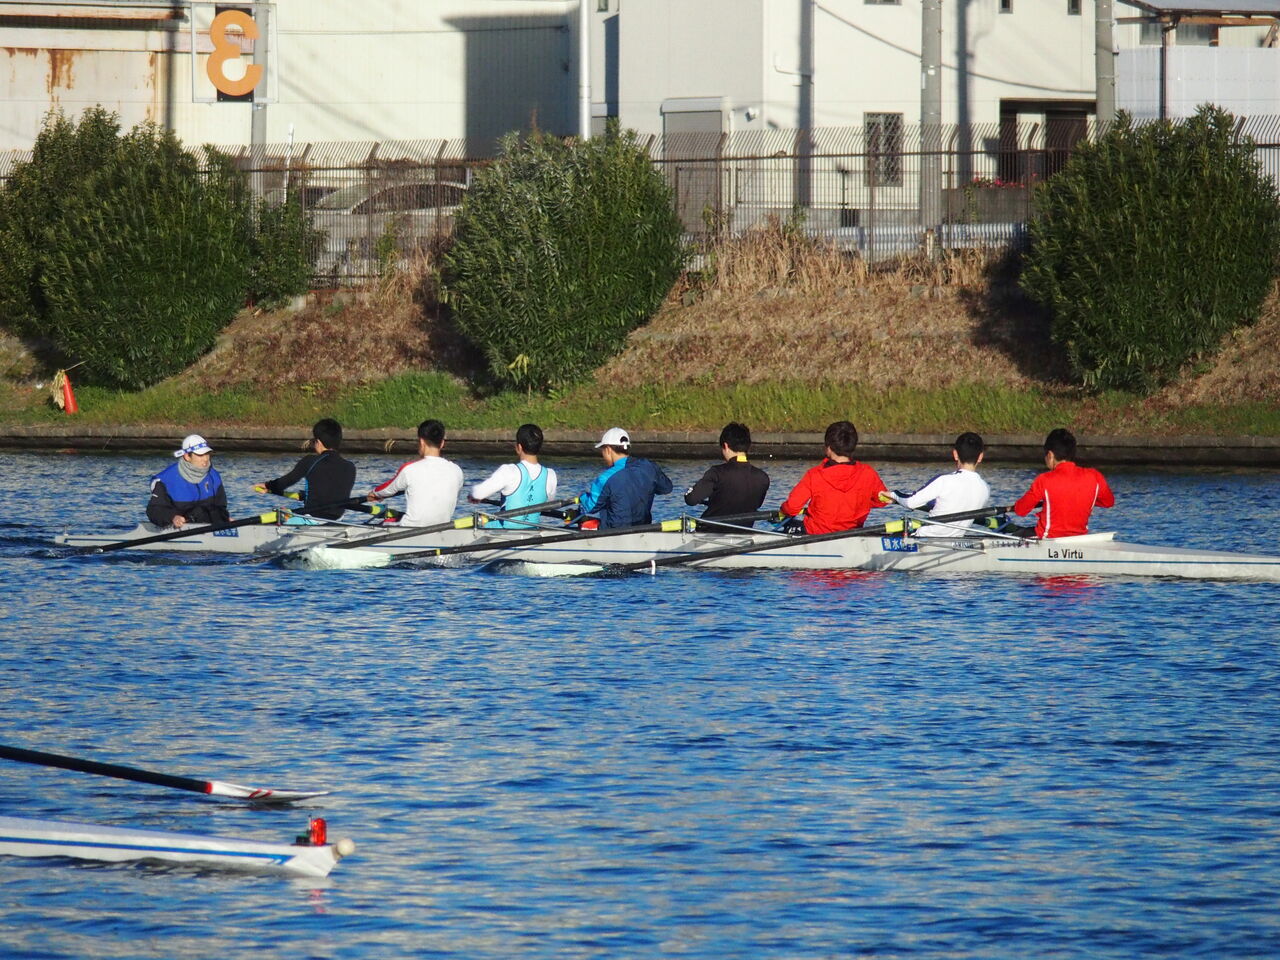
(880, 190)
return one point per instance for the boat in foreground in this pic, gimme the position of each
(23, 837)
(1095, 554)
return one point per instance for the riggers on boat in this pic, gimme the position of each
(311, 856)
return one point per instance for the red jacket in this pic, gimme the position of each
(839, 495)
(1068, 494)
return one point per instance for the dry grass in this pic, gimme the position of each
(1245, 370)
(339, 338)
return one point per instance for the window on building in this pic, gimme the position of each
(1073, 8)
(884, 3)
(884, 148)
(1006, 6)
(602, 6)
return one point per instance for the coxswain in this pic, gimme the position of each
(838, 493)
(430, 484)
(960, 491)
(622, 495)
(734, 486)
(1066, 493)
(327, 477)
(521, 484)
(190, 490)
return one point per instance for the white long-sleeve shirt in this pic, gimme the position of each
(957, 492)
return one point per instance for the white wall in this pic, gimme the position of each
(348, 70)
(1244, 81)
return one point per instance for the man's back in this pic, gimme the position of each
(627, 497)
(729, 488)
(1067, 495)
(430, 485)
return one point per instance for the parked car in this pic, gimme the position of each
(311, 194)
(356, 217)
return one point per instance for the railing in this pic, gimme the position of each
(882, 190)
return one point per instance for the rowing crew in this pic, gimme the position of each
(834, 496)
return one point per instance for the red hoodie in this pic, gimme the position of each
(839, 495)
(1068, 494)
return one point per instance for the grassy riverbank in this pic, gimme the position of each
(786, 344)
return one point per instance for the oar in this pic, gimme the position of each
(194, 531)
(212, 787)
(462, 523)
(893, 526)
(185, 531)
(666, 526)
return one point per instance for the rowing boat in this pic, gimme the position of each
(23, 837)
(1095, 554)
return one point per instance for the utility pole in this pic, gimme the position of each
(1104, 63)
(931, 113)
(584, 71)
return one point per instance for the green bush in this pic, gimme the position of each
(285, 250)
(125, 254)
(1150, 245)
(561, 249)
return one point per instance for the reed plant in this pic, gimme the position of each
(1151, 245)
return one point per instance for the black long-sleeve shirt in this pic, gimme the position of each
(728, 488)
(329, 478)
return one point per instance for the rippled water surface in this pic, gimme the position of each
(694, 764)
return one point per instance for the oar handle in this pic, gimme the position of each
(354, 503)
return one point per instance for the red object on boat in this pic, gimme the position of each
(319, 832)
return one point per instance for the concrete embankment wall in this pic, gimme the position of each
(1261, 452)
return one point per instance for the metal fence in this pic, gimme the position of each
(880, 190)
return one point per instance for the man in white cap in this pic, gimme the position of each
(622, 496)
(190, 490)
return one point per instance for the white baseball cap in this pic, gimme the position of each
(614, 437)
(194, 443)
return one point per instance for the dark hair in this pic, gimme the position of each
(736, 437)
(969, 446)
(529, 436)
(432, 431)
(1061, 443)
(842, 438)
(329, 432)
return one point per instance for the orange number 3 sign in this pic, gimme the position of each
(225, 49)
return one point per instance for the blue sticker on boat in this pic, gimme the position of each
(226, 533)
(897, 545)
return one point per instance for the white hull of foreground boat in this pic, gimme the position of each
(22, 837)
(1097, 554)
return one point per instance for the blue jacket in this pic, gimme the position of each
(171, 495)
(623, 495)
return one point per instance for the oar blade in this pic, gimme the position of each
(237, 791)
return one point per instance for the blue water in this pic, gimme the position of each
(694, 764)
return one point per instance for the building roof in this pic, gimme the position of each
(1200, 7)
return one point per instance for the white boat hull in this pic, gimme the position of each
(1093, 554)
(22, 837)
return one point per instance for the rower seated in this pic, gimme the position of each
(189, 490)
(524, 483)
(1066, 493)
(622, 495)
(961, 491)
(734, 486)
(326, 476)
(838, 493)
